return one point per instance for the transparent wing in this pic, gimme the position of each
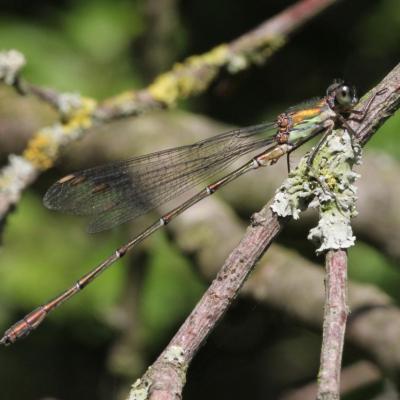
(120, 191)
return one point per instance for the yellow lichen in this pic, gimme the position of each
(184, 78)
(165, 88)
(215, 57)
(329, 179)
(42, 149)
(331, 182)
(81, 117)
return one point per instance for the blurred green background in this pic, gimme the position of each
(88, 349)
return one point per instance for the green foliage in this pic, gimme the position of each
(45, 252)
(103, 29)
(368, 265)
(86, 50)
(373, 36)
(387, 139)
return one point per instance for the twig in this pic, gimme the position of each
(337, 205)
(334, 193)
(166, 377)
(189, 78)
(336, 310)
(335, 318)
(195, 74)
(374, 325)
(375, 321)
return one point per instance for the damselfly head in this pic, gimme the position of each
(341, 96)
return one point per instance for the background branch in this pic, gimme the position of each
(209, 310)
(190, 78)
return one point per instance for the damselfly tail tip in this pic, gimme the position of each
(5, 340)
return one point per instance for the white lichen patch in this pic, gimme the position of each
(139, 390)
(11, 62)
(175, 355)
(292, 197)
(14, 176)
(327, 184)
(333, 232)
(69, 102)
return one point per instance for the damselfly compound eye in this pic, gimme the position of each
(345, 96)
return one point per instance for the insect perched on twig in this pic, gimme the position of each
(118, 192)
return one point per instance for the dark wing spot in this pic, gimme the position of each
(77, 180)
(101, 188)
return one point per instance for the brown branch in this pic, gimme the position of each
(336, 312)
(166, 377)
(191, 77)
(291, 284)
(373, 325)
(335, 318)
(195, 74)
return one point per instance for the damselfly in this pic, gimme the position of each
(115, 193)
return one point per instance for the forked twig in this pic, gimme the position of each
(166, 377)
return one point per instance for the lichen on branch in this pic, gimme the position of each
(328, 183)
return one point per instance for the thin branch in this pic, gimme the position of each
(333, 163)
(194, 75)
(336, 310)
(189, 78)
(335, 318)
(374, 324)
(333, 191)
(166, 377)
